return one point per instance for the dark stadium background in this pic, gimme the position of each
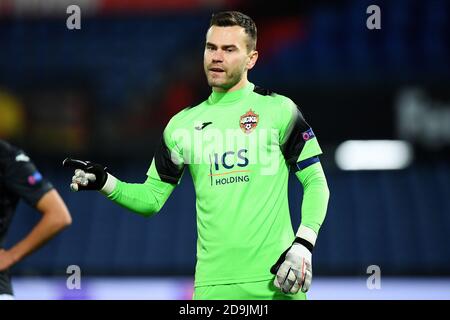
(106, 91)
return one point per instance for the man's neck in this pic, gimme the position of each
(227, 97)
(241, 84)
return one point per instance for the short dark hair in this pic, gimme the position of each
(236, 18)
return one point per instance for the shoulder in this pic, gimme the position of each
(184, 117)
(277, 99)
(7, 151)
(13, 158)
(281, 107)
(5, 148)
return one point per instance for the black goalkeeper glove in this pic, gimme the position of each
(88, 175)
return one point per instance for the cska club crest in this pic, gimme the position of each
(249, 121)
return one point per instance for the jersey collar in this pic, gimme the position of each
(230, 97)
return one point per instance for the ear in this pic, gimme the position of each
(253, 57)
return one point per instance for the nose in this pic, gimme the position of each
(217, 56)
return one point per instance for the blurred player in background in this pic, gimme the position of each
(246, 248)
(19, 179)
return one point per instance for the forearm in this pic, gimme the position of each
(143, 198)
(315, 200)
(48, 226)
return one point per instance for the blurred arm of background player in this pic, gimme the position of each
(55, 217)
(42, 196)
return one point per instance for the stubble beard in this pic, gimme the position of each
(226, 82)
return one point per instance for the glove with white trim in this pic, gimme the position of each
(293, 270)
(88, 175)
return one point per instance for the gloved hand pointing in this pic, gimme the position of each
(88, 175)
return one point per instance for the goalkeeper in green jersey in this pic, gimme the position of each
(239, 146)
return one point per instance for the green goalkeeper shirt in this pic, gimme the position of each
(239, 148)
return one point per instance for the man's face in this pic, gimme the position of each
(226, 58)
